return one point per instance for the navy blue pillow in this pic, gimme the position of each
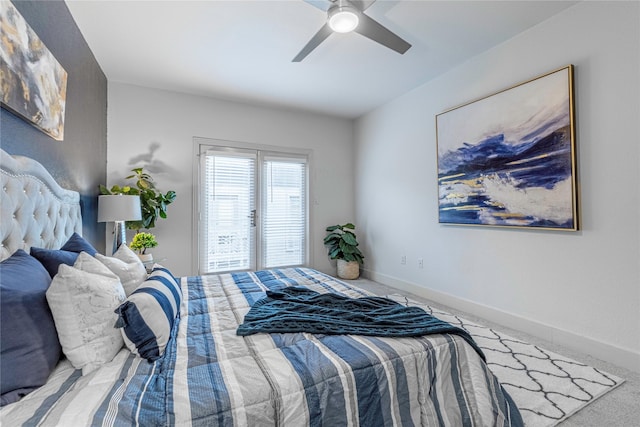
(77, 243)
(29, 349)
(52, 258)
(67, 254)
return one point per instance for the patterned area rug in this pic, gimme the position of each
(547, 387)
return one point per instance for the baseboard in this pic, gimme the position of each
(607, 352)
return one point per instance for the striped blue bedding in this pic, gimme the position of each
(210, 376)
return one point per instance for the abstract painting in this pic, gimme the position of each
(509, 159)
(33, 83)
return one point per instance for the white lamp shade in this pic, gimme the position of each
(119, 208)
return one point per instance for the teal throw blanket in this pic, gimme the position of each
(297, 309)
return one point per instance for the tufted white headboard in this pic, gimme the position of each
(34, 209)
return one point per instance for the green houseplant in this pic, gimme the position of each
(141, 242)
(153, 202)
(342, 246)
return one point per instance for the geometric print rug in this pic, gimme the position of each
(546, 387)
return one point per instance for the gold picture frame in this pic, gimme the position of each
(509, 159)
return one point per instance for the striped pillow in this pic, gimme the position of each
(148, 314)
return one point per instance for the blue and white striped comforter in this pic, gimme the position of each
(210, 376)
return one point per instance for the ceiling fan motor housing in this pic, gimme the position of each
(343, 18)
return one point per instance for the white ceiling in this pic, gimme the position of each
(242, 50)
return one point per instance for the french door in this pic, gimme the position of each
(253, 209)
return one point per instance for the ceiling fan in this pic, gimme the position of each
(344, 16)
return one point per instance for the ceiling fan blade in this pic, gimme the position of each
(323, 5)
(361, 5)
(376, 32)
(318, 38)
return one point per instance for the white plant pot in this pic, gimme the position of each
(146, 258)
(348, 269)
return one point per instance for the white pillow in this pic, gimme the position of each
(127, 266)
(82, 300)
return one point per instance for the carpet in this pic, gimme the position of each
(546, 387)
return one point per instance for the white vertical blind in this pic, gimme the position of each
(284, 211)
(227, 235)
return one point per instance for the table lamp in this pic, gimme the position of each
(119, 208)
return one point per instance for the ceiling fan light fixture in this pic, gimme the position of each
(343, 19)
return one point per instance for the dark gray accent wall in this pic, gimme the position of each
(80, 161)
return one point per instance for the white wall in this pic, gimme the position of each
(579, 288)
(138, 117)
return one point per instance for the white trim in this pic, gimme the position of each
(198, 140)
(611, 353)
(195, 196)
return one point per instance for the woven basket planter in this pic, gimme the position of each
(348, 269)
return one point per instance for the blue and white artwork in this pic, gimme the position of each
(509, 159)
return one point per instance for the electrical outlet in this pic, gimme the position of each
(403, 259)
(420, 263)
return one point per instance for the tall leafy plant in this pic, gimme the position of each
(341, 243)
(153, 203)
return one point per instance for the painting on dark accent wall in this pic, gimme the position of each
(34, 84)
(509, 159)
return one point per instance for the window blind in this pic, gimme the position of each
(227, 238)
(284, 211)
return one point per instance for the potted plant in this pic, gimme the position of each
(153, 203)
(141, 242)
(342, 246)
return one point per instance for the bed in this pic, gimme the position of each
(206, 374)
